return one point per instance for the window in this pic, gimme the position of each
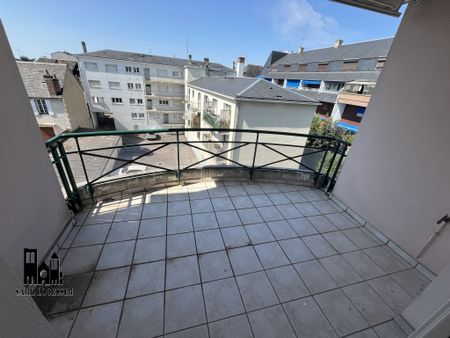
(98, 99)
(163, 88)
(111, 68)
(154, 116)
(136, 70)
(137, 116)
(139, 101)
(350, 65)
(333, 86)
(137, 86)
(286, 68)
(193, 93)
(380, 64)
(226, 107)
(116, 100)
(322, 67)
(132, 101)
(164, 102)
(130, 85)
(175, 74)
(91, 66)
(41, 106)
(127, 69)
(94, 84)
(114, 85)
(166, 118)
(162, 72)
(303, 67)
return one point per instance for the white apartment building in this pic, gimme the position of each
(140, 91)
(56, 97)
(246, 103)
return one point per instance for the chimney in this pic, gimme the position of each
(240, 66)
(206, 60)
(190, 59)
(52, 84)
(338, 43)
(234, 65)
(83, 46)
(301, 50)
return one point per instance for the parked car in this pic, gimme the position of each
(133, 169)
(151, 137)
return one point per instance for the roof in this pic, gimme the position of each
(32, 75)
(319, 95)
(71, 64)
(389, 7)
(252, 70)
(245, 88)
(359, 50)
(274, 57)
(325, 76)
(155, 59)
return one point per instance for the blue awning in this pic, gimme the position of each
(311, 82)
(348, 126)
(292, 83)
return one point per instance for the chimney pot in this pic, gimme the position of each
(83, 46)
(240, 66)
(338, 43)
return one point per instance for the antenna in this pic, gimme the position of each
(187, 45)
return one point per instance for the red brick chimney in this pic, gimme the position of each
(53, 85)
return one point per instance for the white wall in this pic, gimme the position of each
(32, 207)
(283, 117)
(397, 175)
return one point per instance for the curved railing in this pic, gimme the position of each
(85, 159)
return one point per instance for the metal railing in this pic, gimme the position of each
(328, 154)
(216, 121)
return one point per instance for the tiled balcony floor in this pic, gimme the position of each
(229, 260)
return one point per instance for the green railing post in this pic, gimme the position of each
(178, 156)
(316, 179)
(69, 172)
(84, 169)
(330, 165)
(62, 175)
(336, 170)
(252, 170)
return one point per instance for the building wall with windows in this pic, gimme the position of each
(157, 102)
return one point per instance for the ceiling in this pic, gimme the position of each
(389, 7)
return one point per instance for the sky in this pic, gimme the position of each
(220, 30)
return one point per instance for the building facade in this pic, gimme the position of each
(56, 96)
(245, 103)
(341, 77)
(139, 91)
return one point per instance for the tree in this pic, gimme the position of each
(26, 58)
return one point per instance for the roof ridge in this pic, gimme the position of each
(248, 87)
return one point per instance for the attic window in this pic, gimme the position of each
(350, 65)
(322, 67)
(279, 96)
(303, 67)
(380, 64)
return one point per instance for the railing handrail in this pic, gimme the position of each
(181, 130)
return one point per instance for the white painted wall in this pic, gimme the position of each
(283, 117)
(397, 173)
(32, 207)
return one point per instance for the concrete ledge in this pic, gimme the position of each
(153, 181)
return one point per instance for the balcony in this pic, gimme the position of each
(250, 247)
(168, 95)
(217, 121)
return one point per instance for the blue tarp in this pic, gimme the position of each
(311, 82)
(348, 126)
(292, 83)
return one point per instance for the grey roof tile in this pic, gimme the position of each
(32, 75)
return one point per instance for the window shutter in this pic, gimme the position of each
(33, 106)
(49, 107)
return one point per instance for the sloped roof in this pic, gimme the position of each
(249, 89)
(319, 95)
(359, 50)
(147, 58)
(325, 76)
(33, 76)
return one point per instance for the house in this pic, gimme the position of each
(56, 97)
(341, 77)
(140, 91)
(244, 103)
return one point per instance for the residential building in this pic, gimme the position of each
(56, 97)
(140, 91)
(341, 77)
(232, 254)
(245, 103)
